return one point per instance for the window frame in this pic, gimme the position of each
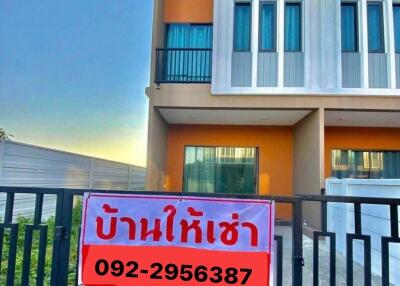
(382, 26)
(300, 4)
(256, 168)
(244, 3)
(166, 29)
(396, 49)
(274, 29)
(356, 25)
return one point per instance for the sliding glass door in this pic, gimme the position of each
(220, 170)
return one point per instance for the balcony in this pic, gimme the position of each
(183, 65)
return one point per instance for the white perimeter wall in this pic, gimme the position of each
(23, 165)
(375, 220)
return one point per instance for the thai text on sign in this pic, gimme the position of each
(149, 240)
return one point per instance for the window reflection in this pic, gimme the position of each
(220, 170)
(366, 164)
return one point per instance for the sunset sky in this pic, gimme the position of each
(73, 74)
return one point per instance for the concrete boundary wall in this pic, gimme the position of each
(23, 165)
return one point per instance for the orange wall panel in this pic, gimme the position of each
(188, 11)
(361, 138)
(275, 154)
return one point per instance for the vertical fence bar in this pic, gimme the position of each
(8, 214)
(41, 256)
(279, 259)
(26, 265)
(315, 259)
(394, 221)
(367, 261)
(12, 251)
(58, 236)
(77, 256)
(37, 218)
(349, 261)
(357, 218)
(65, 243)
(297, 243)
(324, 213)
(385, 261)
(332, 260)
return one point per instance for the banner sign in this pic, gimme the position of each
(147, 240)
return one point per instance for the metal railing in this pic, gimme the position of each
(183, 65)
(61, 264)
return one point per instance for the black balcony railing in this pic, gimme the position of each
(183, 66)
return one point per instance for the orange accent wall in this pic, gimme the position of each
(359, 138)
(275, 154)
(188, 11)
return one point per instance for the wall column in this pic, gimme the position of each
(308, 162)
(156, 150)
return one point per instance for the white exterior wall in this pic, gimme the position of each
(375, 220)
(23, 165)
(321, 47)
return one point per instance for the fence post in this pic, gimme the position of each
(64, 238)
(297, 243)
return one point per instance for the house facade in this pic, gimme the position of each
(273, 97)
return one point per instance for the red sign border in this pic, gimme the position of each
(159, 197)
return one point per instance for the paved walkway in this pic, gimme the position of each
(286, 232)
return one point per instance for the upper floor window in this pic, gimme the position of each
(189, 36)
(396, 20)
(292, 27)
(375, 28)
(242, 27)
(267, 27)
(349, 27)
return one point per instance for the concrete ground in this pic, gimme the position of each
(286, 232)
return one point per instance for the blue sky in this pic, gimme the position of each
(73, 74)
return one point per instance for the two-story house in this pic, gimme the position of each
(272, 97)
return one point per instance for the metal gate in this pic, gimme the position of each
(56, 264)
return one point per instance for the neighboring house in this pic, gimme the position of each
(24, 165)
(272, 97)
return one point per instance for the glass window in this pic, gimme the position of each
(366, 164)
(267, 27)
(349, 27)
(375, 28)
(242, 27)
(181, 36)
(220, 170)
(292, 27)
(188, 65)
(396, 20)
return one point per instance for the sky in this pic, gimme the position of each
(73, 75)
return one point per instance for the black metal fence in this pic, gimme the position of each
(183, 65)
(54, 243)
